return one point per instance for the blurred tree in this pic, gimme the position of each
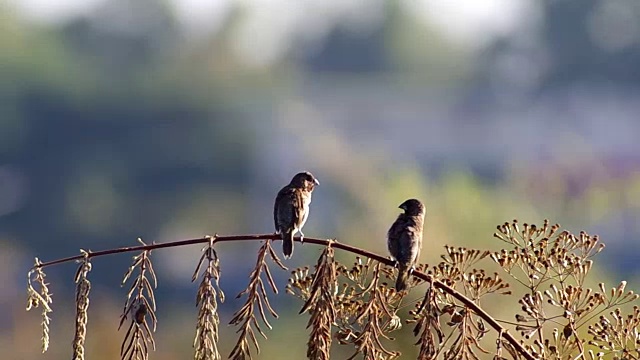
(108, 145)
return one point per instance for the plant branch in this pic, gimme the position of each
(324, 242)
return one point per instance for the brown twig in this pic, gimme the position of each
(324, 242)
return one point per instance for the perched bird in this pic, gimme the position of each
(291, 209)
(404, 239)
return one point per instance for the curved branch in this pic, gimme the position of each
(336, 245)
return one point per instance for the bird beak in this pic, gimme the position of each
(316, 181)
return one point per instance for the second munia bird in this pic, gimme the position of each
(291, 209)
(404, 239)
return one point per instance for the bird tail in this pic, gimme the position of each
(403, 278)
(287, 244)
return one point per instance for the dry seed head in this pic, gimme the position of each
(322, 307)
(206, 338)
(257, 303)
(140, 302)
(40, 298)
(620, 289)
(83, 286)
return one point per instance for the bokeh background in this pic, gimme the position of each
(169, 120)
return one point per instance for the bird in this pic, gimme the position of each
(291, 209)
(404, 239)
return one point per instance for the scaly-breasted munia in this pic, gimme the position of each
(404, 239)
(291, 209)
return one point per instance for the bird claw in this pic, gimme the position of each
(301, 238)
(395, 262)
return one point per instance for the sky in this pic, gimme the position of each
(471, 23)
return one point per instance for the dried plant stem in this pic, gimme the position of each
(256, 295)
(324, 242)
(40, 298)
(321, 306)
(83, 286)
(140, 303)
(206, 339)
(368, 342)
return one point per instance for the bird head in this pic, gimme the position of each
(412, 207)
(304, 180)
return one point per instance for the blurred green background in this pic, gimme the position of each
(173, 119)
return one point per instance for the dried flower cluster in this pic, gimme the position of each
(552, 266)
(617, 335)
(206, 339)
(373, 319)
(546, 269)
(466, 326)
(140, 303)
(359, 307)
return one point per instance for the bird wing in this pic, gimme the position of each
(288, 209)
(405, 240)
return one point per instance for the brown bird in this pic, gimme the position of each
(291, 209)
(404, 239)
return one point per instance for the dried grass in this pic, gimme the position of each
(40, 298)
(206, 338)
(257, 298)
(140, 305)
(83, 286)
